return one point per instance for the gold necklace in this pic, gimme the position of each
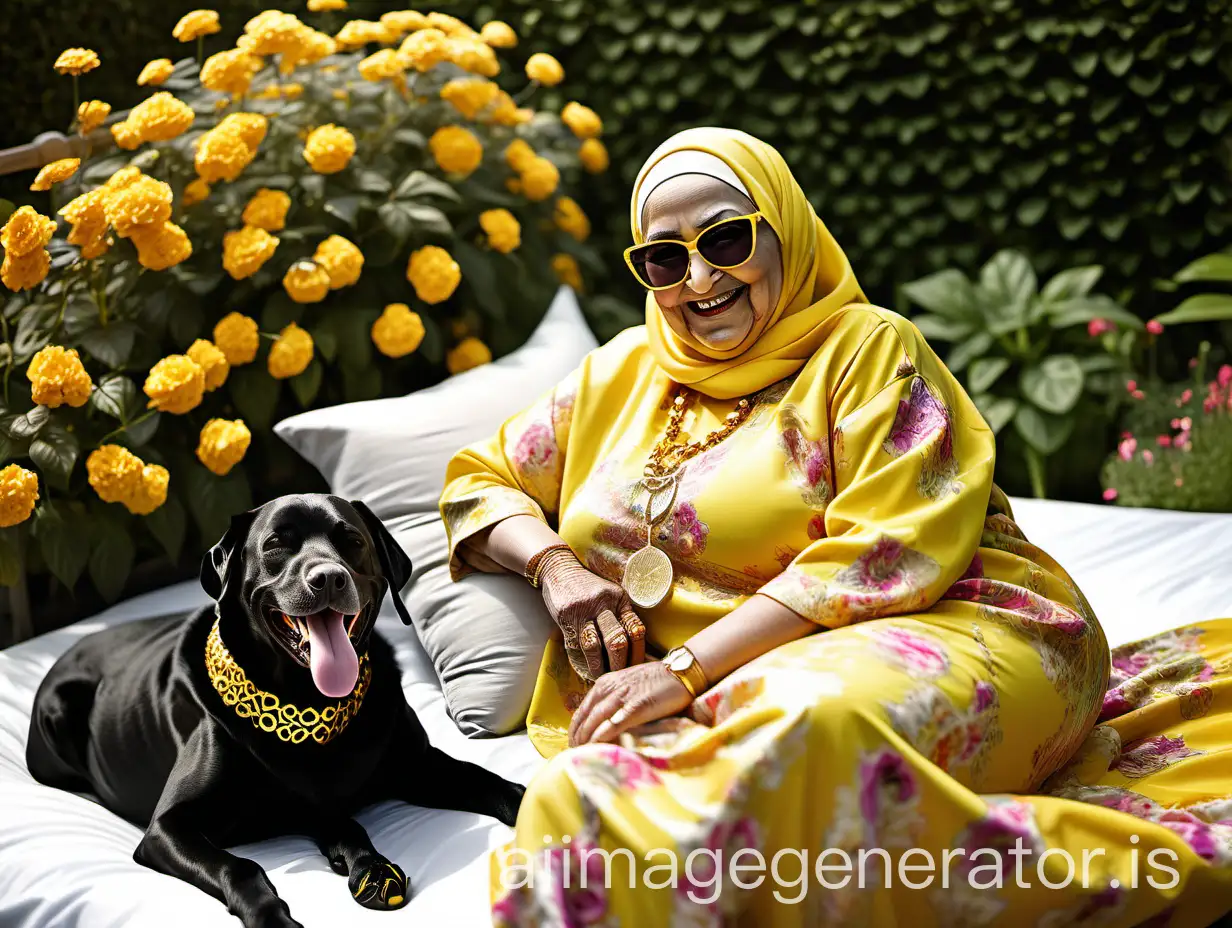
(648, 572)
(267, 711)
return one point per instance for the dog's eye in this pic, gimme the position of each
(273, 543)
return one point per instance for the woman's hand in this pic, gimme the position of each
(623, 699)
(595, 616)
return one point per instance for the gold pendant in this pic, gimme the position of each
(648, 576)
(661, 493)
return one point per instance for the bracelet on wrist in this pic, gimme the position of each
(534, 567)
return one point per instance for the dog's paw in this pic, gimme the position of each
(376, 883)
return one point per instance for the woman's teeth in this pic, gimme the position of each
(716, 302)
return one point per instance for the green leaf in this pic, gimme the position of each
(947, 293)
(1072, 282)
(167, 523)
(345, 208)
(255, 394)
(996, 410)
(480, 278)
(984, 373)
(397, 219)
(10, 559)
(359, 384)
(1044, 432)
(116, 396)
(7, 208)
(422, 184)
(55, 452)
(29, 424)
(64, 546)
(967, 351)
(373, 182)
(411, 137)
(140, 433)
(941, 328)
(111, 344)
(280, 311)
(306, 385)
(1215, 268)
(112, 560)
(1205, 307)
(1081, 310)
(429, 219)
(1008, 279)
(214, 500)
(1054, 384)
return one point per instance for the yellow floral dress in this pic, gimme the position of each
(959, 697)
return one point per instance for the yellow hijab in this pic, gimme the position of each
(817, 278)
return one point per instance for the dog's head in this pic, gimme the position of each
(308, 573)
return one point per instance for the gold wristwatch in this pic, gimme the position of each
(684, 666)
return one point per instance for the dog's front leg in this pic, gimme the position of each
(176, 843)
(374, 881)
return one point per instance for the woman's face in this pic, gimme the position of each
(679, 209)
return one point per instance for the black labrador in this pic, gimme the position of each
(277, 711)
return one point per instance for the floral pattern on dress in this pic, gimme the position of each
(920, 656)
(808, 459)
(1151, 755)
(950, 736)
(1170, 664)
(923, 420)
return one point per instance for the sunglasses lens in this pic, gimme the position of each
(661, 264)
(728, 244)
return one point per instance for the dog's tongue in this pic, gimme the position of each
(335, 666)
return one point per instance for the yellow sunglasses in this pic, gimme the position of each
(724, 245)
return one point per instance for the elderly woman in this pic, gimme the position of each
(797, 617)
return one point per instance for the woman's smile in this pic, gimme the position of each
(712, 306)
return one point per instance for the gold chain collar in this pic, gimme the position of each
(267, 711)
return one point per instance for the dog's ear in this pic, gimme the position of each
(219, 563)
(395, 564)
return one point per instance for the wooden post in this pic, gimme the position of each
(52, 146)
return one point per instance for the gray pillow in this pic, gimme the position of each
(485, 634)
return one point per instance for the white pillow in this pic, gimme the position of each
(486, 633)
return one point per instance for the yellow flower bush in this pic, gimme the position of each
(566, 269)
(91, 115)
(160, 118)
(570, 218)
(150, 493)
(326, 6)
(306, 282)
(468, 353)
(400, 22)
(176, 384)
(498, 34)
(229, 71)
(502, 229)
(545, 69)
(212, 361)
(237, 337)
(291, 353)
(456, 150)
(382, 65)
(195, 191)
(582, 120)
(519, 154)
(341, 259)
(161, 245)
(126, 135)
(433, 273)
(397, 331)
(540, 178)
(470, 95)
(114, 472)
(593, 155)
(58, 378)
(55, 172)
(221, 155)
(360, 32)
(245, 250)
(195, 25)
(25, 272)
(25, 231)
(76, 61)
(223, 444)
(146, 201)
(329, 149)
(424, 49)
(155, 72)
(267, 210)
(18, 494)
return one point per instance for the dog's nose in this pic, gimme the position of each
(327, 577)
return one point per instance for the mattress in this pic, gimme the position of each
(65, 862)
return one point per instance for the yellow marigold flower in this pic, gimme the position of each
(292, 91)
(513, 185)
(468, 353)
(125, 134)
(237, 337)
(360, 32)
(329, 149)
(91, 115)
(18, 494)
(326, 6)
(122, 178)
(161, 117)
(92, 248)
(401, 22)
(161, 246)
(195, 191)
(250, 127)
(567, 271)
(584, 121)
(25, 272)
(196, 24)
(398, 331)
(274, 33)
(519, 154)
(77, 61)
(175, 384)
(341, 259)
(433, 273)
(540, 178)
(223, 444)
(291, 353)
(545, 69)
(498, 34)
(222, 156)
(55, 172)
(455, 149)
(470, 95)
(87, 214)
(504, 111)
(57, 378)
(26, 231)
(230, 71)
(382, 65)
(267, 210)
(144, 202)
(593, 155)
(150, 493)
(472, 55)
(425, 49)
(155, 72)
(570, 218)
(502, 228)
(317, 45)
(114, 472)
(306, 282)
(246, 250)
(212, 361)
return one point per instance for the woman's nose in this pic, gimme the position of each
(701, 275)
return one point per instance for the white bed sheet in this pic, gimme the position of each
(65, 862)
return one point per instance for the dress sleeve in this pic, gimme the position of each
(517, 471)
(912, 470)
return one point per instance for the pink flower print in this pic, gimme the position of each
(688, 532)
(535, 448)
(632, 771)
(886, 782)
(985, 696)
(723, 842)
(975, 569)
(808, 460)
(576, 877)
(507, 910)
(999, 831)
(1151, 755)
(817, 526)
(1131, 664)
(919, 656)
(919, 417)
(1197, 834)
(881, 568)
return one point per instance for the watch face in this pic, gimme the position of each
(680, 661)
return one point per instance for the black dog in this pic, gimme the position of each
(276, 712)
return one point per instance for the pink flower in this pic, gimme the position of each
(1155, 327)
(1185, 397)
(1180, 482)
(1224, 377)
(1110, 494)
(985, 696)
(1097, 327)
(1148, 456)
(887, 782)
(1164, 441)
(1138, 395)
(1125, 450)
(917, 654)
(1131, 385)
(1193, 362)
